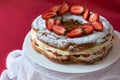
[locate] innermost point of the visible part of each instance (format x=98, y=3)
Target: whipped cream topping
x=61, y=41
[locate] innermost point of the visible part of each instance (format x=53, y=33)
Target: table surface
x=16, y=17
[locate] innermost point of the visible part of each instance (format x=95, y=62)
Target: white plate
x=71, y=68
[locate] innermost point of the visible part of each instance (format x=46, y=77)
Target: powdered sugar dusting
x=62, y=41
x=39, y=23
x=69, y=16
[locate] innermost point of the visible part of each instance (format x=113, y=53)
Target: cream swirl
x=62, y=41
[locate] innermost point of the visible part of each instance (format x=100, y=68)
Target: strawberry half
x=86, y=14
x=54, y=9
x=49, y=14
x=87, y=28
x=58, y=22
x=64, y=8
x=77, y=9
x=50, y=23
x=98, y=26
x=93, y=17
x=75, y=32
x=59, y=29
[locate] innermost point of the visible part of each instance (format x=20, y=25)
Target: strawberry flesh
x=77, y=9
x=75, y=55
x=35, y=43
x=98, y=26
x=58, y=22
x=54, y=9
x=59, y=29
x=49, y=14
x=87, y=28
x=85, y=55
x=55, y=53
x=86, y=14
x=64, y=8
x=94, y=17
x=50, y=23
x=75, y=32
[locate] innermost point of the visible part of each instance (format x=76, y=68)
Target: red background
x=16, y=17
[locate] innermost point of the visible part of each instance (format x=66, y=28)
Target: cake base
x=75, y=59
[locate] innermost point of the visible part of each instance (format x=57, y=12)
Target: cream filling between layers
x=90, y=51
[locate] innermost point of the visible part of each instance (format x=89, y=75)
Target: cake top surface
x=60, y=40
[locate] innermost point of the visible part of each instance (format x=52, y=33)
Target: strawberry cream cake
x=72, y=34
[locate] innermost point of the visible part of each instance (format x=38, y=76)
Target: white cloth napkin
x=20, y=67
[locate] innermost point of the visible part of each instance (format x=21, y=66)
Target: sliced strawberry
x=50, y=50
x=75, y=32
x=76, y=55
x=85, y=55
x=64, y=8
x=59, y=29
x=87, y=28
x=98, y=26
x=49, y=15
x=57, y=54
x=86, y=14
x=58, y=22
x=54, y=9
x=93, y=17
x=77, y=9
x=50, y=23
x=35, y=43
